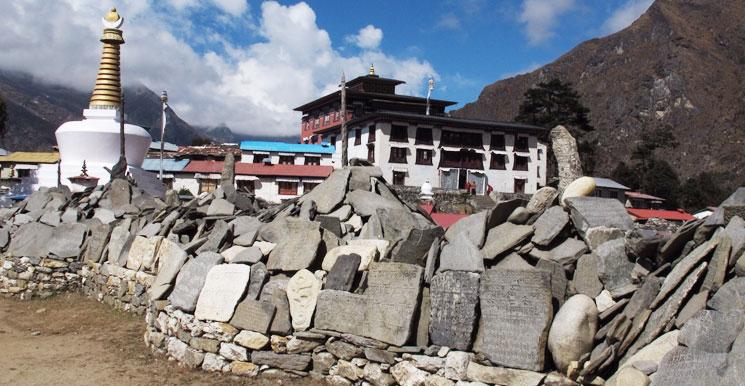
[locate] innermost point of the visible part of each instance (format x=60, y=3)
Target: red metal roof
x=260, y=169
x=671, y=215
x=442, y=219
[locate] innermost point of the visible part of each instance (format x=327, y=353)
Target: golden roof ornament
x=372, y=70
x=107, y=91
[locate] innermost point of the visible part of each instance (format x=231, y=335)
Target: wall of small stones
x=119, y=287
x=31, y=276
x=445, y=201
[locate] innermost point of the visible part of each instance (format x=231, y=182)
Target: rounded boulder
x=581, y=187
x=573, y=330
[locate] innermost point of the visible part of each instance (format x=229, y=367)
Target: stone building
x=412, y=147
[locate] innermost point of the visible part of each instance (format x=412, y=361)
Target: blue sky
x=248, y=63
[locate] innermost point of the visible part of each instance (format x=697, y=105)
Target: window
x=168, y=182
x=399, y=178
x=287, y=188
x=371, y=134
x=259, y=158
x=312, y=160
x=23, y=173
x=332, y=140
x=245, y=185
x=318, y=123
x=286, y=160
x=398, y=155
x=358, y=136
x=308, y=186
x=327, y=119
x=521, y=163
x=540, y=152
x=498, y=161
x=521, y=144
x=370, y=152
x=463, y=159
x=399, y=134
x=497, y=141
x=461, y=139
x=423, y=136
x=423, y=157
x=519, y=186
x=207, y=185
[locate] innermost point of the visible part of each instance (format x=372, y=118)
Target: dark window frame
x=423, y=136
x=399, y=133
x=371, y=134
x=260, y=158
x=358, y=137
x=316, y=160
x=399, y=178
x=498, y=142
x=371, y=152
x=398, y=155
x=519, y=143
x=493, y=165
x=284, y=190
x=284, y=158
x=421, y=160
x=517, y=165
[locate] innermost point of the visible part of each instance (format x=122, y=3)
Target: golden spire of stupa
x=108, y=90
x=372, y=70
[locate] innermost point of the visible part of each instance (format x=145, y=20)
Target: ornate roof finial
x=372, y=70
x=107, y=92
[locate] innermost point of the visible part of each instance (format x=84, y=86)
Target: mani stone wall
x=121, y=288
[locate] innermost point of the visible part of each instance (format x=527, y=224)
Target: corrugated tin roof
x=286, y=147
x=167, y=146
x=260, y=169
x=29, y=157
x=169, y=164
x=671, y=215
x=608, y=183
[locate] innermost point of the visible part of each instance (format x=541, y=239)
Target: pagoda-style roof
x=355, y=94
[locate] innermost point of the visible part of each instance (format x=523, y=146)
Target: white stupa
x=96, y=139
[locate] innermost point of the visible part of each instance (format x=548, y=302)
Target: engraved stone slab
x=586, y=276
x=253, y=315
x=454, y=296
x=414, y=248
x=461, y=255
x=302, y=293
x=392, y=301
x=141, y=251
x=711, y=331
x=296, y=252
x=683, y=366
x=340, y=311
x=589, y=212
x=730, y=297
x=224, y=286
x=614, y=267
x=472, y=227
x=191, y=279
x=170, y=260
x=549, y=225
x=341, y=275
x=516, y=313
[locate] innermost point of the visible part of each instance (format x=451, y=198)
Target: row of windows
x=287, y=188
x=454, y=159
x=456, y=139
x=286, y=159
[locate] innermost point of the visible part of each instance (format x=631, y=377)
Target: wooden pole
x=344, y=154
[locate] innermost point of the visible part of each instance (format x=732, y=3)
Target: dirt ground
x=71, y=340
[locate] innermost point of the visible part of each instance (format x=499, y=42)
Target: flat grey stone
x=224, y=285
x=614, y=267
x=51, y=218
x=119, y=193
x=711, y=331
x=503, y=238
x=250, y=255
x=731, y=297
x=106, y=216
x=30, y=240
x=119, y=244
x=549, y=225
x=37, y=200
x=454, y=296
x=329, y=194
x=97, y=240
x=542, y=199
x=330, y=223
x=67, y=240
x=343, y=213
x=296, y=362
x=281, y=323
x=586, y=276
x=643, y=297
x=502, y=211
x=681, y=269
x=220, y=207
x=190, y=280
x=589, y=212
x=245, y=224
x=432, y=260
x=299, y=251
x=461, y=255
x=683, y=366
x=216, y=237
x=672, y=248
x=340, y=311
x=342, y=273
x=170, y=260
x=392, y=300
x=150, y=230
x=414, y=248
x=253, y=315
x=718, y=264
x=516, y=313
x=256, y=281
x=361, y=175
x=568, y=252
x=594, y=237
x=365, y=203
x=472, y=227
x=736, y=231
x=558, y=279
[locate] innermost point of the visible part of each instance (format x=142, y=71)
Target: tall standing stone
x=516, y=313
x=224, y=286
x=392, y=299
x=228, y=170
x=302, y=293
x=567, y=156
x=191, y=279
x=454, y=296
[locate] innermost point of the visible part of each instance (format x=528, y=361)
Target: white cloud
x=540, y=17
x=449, y=21
x=367, y=38
x=625, y=15
x=250, y=87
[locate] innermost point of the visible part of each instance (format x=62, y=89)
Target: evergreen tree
x=554, y=103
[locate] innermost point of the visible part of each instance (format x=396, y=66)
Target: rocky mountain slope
x=680, y=64
x=36, y=109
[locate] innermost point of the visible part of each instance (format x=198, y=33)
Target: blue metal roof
x=167, y=146
x=284, y=147
x=169, y=164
